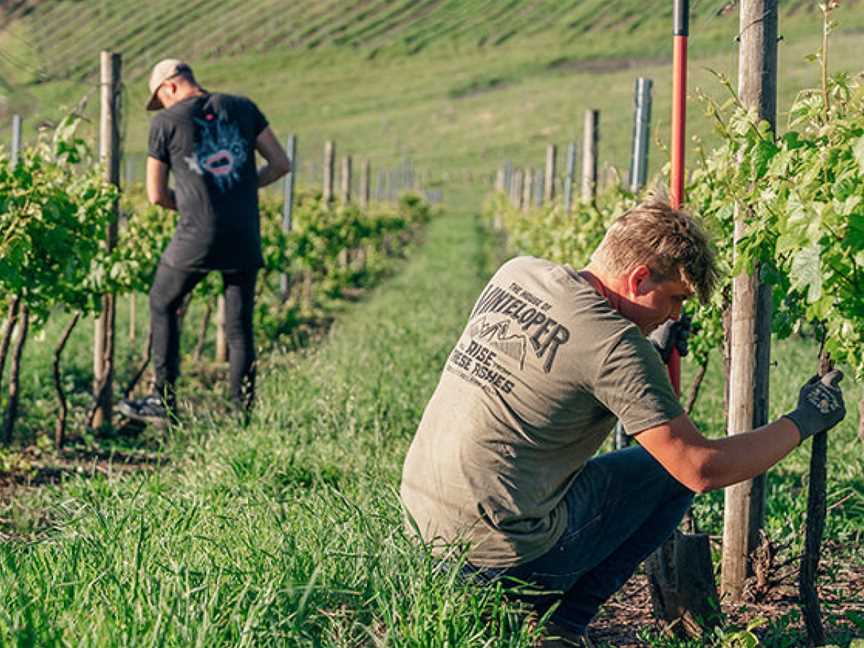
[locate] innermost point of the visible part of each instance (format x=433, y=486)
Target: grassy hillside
x=456, y=85
x=203, y=29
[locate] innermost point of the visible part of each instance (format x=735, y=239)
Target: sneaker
x=149, y=409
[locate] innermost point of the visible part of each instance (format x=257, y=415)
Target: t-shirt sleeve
x=633, y=384
x=158, y=141
x=259, y=121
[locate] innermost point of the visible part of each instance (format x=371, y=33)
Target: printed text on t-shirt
x=544, y=333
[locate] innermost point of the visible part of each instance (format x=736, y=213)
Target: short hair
x=669, y=241
x=185, y=72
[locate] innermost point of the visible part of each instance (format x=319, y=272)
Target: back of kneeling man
x=550, y=358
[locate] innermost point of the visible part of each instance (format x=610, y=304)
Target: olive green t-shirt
x=532, y=388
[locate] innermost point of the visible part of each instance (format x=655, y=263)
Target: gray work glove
x=820, y=405
x=672, y=334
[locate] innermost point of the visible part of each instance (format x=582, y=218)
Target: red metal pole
x=679, y=128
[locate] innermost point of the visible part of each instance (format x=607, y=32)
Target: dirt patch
x=36, y=468
x=477, y=86
x=841, y=592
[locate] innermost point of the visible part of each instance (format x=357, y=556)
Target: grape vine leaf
x=806, y=272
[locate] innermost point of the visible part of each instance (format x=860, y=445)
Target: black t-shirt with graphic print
x=208, y=143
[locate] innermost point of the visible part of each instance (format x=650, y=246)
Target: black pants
x=170, y=287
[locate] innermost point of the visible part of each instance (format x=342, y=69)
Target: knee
x=159, y=304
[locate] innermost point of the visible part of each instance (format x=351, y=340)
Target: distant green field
x=65, y=36
x=457, y=86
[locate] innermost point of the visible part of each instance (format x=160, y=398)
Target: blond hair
x=669, y=241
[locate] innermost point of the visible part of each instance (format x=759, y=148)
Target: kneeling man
x=551, y=357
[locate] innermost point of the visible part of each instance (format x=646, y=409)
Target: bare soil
x=841, y=590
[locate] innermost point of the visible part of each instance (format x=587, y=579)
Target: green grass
x=286, y=532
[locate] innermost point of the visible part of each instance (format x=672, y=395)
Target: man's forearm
x=739, y=457
x=269, y=173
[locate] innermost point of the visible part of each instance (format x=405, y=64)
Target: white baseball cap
x=162, y=71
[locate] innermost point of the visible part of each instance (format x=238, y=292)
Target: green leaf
x=806, y=272
x=855, y=232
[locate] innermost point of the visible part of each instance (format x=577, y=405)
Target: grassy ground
x=287, y=532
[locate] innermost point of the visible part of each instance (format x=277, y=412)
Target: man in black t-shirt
x=208, y=141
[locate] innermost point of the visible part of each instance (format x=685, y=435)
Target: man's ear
x=636, y=280
x=171, y=87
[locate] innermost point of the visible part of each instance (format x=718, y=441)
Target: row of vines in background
x=54, y=210
x=803, y=198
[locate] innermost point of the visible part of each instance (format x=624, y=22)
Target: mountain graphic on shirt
x=498, y=337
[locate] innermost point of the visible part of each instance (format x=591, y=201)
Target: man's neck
x=189, y=92
x=604, y=286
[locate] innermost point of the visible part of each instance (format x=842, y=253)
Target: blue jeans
x=620, y=508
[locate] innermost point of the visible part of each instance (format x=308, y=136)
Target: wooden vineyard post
x=516, y=193
x=133, y=317
x=568, y=179
x=527, y=189
x=590, y=139
x=365, y=184
x=499, y=181
x=508, y=177
x=16, y=140
x=750, y=333
x=549, y=178
x=109, y=154
x=641, y=135
x=345, y=197
x=329, y=170
x=537, y=189
x=345, y=190
x=288, y=209
x=221, y=337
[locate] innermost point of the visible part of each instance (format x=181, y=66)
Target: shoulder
x=162, y=124
x=525, y=264
x=160, y=120
x=629, y=339
x=232, y=101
